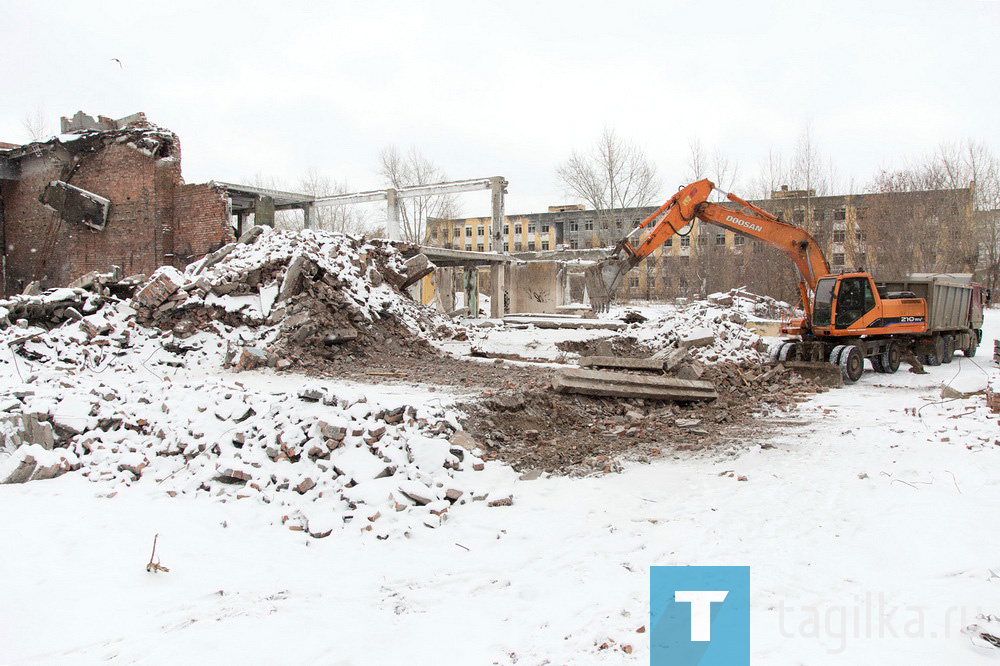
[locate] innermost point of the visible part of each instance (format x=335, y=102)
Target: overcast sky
x=510, y=88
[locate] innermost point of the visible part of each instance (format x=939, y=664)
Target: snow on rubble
x=136, y=393
x=715, y=330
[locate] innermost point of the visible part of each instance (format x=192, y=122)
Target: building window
x=532, y=227
x=506, y=229
x=468, y=247
x=480, y=231
x=458, y=232
x=840, y=214
x=839, y=235
x=739, y=241
x=545, y=227
x=479, y=247
x=702, y=239
x=686, y=241
x=574, y=244
x=518, y=247
x=720, y=240
x=517, y=228
x=588, y=225
x=545, y=245
x=669, y=242
x=838, y=259
x=531, y=246
x=574, y=226
x=468, y=232
x=506, y=247
x=633, y=281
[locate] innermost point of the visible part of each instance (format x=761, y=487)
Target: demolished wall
x=153, y=218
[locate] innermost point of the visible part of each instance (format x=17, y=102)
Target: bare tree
x=413, y=168
x=36, y=126
x=345, y=219
x=697, y=161
x=614, y=176
x=772, y=173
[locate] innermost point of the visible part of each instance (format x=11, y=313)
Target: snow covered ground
x=868, y=519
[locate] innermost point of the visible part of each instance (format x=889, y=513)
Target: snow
x=877, y=500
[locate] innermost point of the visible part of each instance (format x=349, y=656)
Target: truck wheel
x=775, y=349
x=970, y=351
x=891, y=358
x=852, y=363
x=938, y=353
x=948, y=342
x=835, y=354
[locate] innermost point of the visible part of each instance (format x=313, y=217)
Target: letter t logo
x=701, y=610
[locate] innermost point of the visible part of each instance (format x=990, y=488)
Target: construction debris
x=564, y=322
x=624, y=385
x=622, y=362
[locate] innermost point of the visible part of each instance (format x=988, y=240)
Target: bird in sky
x=119, y=62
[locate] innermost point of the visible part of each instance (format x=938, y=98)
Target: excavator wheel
x=877, y=363
x=788, y=352
x=835, y=354
x=890, y=358
x=775, y=351
x=852, y=363
x=949, y=348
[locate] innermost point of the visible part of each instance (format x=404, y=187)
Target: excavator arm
x=692, y=202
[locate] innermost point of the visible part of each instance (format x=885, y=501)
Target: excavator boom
x=674, y=216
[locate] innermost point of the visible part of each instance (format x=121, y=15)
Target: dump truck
x=848, y=316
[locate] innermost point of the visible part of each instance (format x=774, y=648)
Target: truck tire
x=852, y=363
x=949, y=348
x=970, y=351
x=935, y=357
x=891, y=358
x=775, y=350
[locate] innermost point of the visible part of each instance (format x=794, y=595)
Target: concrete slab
x=564, y=322
x=621, y=362
x=623, y=385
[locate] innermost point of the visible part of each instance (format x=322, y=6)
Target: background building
x=889, y=233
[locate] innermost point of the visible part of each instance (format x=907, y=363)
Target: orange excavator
x=848, y=317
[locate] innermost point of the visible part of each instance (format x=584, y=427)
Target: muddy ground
x=518, y=418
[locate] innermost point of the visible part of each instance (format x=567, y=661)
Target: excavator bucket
x=602, y=281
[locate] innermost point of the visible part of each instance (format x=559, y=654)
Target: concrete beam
x=624, y=385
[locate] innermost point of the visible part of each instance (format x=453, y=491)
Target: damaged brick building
x=103, y=193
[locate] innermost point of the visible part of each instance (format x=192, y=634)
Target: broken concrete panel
x=33, y=288
x=340, y=335
x=534, y=286
x=19, y=468
x=671, y=357
x=621, y=362
x=699, y=337
x=215, y=257
x=623, y=385
x=416, y=268
x=566, y=323
x=251, y=234
x=20, y=429
x=692, y=370
x=160, y=287
x=293, y=276
x=76, y=205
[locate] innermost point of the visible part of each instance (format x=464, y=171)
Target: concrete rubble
x=620, y=384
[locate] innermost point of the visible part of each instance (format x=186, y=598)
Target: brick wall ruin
x=153, y=217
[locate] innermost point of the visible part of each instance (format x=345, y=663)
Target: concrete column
x=307, y=222
x=392, y=216
x=263, y=211
x=497, y=189
x=472, y=290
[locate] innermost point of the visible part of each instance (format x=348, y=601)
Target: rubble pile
x=581, y=435
x=323, y=463
x=49, y=309
x=309, y=292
